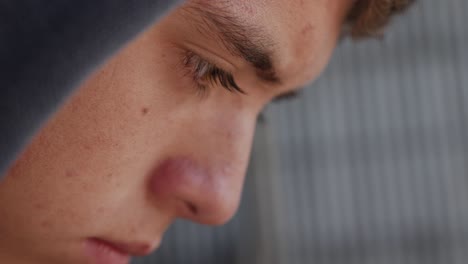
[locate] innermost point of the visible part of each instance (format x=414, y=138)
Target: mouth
x=108, y=252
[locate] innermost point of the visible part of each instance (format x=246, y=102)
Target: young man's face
x=155, y=134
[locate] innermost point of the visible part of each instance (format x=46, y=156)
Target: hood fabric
x=47, y=48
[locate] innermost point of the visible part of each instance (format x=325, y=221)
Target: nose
x=194, y=190
x=201, y=173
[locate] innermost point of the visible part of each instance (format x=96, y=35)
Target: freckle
x=110, y=175
x=85, y=186
x=39, y=206
x=100, y=209
x=46, y=224
x=144, y=110
x=306, y=29
x=87, y=147
x=70, y=173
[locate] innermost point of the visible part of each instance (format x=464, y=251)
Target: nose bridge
x=202, y=180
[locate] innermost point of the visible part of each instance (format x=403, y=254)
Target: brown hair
x=369, y=17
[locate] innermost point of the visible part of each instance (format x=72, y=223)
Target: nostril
x=192, y=208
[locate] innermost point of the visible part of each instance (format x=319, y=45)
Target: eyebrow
x=245, y=41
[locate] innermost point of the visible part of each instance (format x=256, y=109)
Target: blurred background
x=369, y=165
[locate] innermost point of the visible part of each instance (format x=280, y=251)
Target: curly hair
x=369, y=17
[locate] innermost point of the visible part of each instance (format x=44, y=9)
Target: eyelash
x=205, y=73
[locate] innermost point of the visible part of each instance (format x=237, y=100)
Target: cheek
x=88, y=158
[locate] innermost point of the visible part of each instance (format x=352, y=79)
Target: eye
x=206, y=74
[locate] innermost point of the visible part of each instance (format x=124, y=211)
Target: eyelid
x=210, y=56
x=205, y=70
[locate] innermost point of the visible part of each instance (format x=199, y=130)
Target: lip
x=102, y=251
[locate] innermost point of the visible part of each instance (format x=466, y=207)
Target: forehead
x=303, y=33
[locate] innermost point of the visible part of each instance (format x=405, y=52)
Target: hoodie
x=47, y=48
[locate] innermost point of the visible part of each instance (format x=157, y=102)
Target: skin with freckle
x=136, y=146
